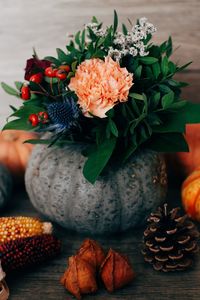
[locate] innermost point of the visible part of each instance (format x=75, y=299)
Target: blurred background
x=45, y=25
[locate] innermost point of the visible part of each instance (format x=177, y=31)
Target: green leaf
x=108, y=38
x=163, y=47
x=138, y=72
x=26, y=110
x=154, y=119
x=130, y=150
x=113, y=128
x=167, y=100
x=94, y=20
x=74, y=65
x=70, y=74
x=115, y=25
x=61, y=55
x=164, y=66
x=9, y=90
x=169, y=47
x=164, y=88
x=98, y=159
x=124, y=29
x=148, y=60
x=100, y=42
x=77, y=38
x=136, y=96
x=172, y=67
x=54, y=60
x=18, y=85
x=178, y=105
x=14, y=109
x=83, y=40
x=189, y=113
x=179, y=69
x=92, y=35
x=149, y=73
x=168, y=142
x=110, y=113
x=155, y=100
x=156, y=70
x=135, y=107
x=19, y=124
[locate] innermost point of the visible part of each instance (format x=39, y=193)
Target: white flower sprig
x=100, y=32
x=132, y=43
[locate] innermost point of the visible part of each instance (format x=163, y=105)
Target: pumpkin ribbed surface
x=117, y=201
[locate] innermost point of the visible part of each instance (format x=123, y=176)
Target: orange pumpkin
x=13, y=153
x=189, y=161
x=181, y=164
x=190, y=193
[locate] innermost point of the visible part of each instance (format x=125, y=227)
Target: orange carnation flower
x=100, y=85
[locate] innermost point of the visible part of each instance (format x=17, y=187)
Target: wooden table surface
x=45, y=24
x=42, y=282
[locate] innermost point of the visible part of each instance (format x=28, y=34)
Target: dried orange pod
x=116, y=271
x=80, y=277
x=92, y=252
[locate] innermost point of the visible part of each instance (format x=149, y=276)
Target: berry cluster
x=60, y=73
x=42, y=117
x=51, y=72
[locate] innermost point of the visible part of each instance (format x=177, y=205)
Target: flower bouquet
x=113, y=90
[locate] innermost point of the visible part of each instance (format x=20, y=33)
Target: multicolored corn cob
x=25, y=252
x=12, y=228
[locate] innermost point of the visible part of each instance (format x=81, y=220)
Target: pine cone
x=170, y=240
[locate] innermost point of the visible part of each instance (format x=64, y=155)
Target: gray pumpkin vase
x=5, y=186
x=118, y=201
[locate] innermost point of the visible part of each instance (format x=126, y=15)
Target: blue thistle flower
x=63, y=115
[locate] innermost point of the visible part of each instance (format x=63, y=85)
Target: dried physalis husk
x=116, y=271
x=92, y=252
x=4, y=291
x=80, y=277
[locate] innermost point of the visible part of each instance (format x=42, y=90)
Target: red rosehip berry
x=43, y=116
x=37, y=78
x=61, y=75
x=25, y=92
x=65, y=68
x=50, y=72
x=33, y=118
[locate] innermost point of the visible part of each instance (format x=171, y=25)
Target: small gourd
x=14, y=154
x=191, y=195
x=5, y=185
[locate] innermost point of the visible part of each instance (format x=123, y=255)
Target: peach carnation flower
x=100, y=85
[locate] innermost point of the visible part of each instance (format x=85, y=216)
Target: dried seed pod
x=116, y=271
x=29, y=251
x=4, y=291
x=92, y=252
x=80, y=277
x=12, y=228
